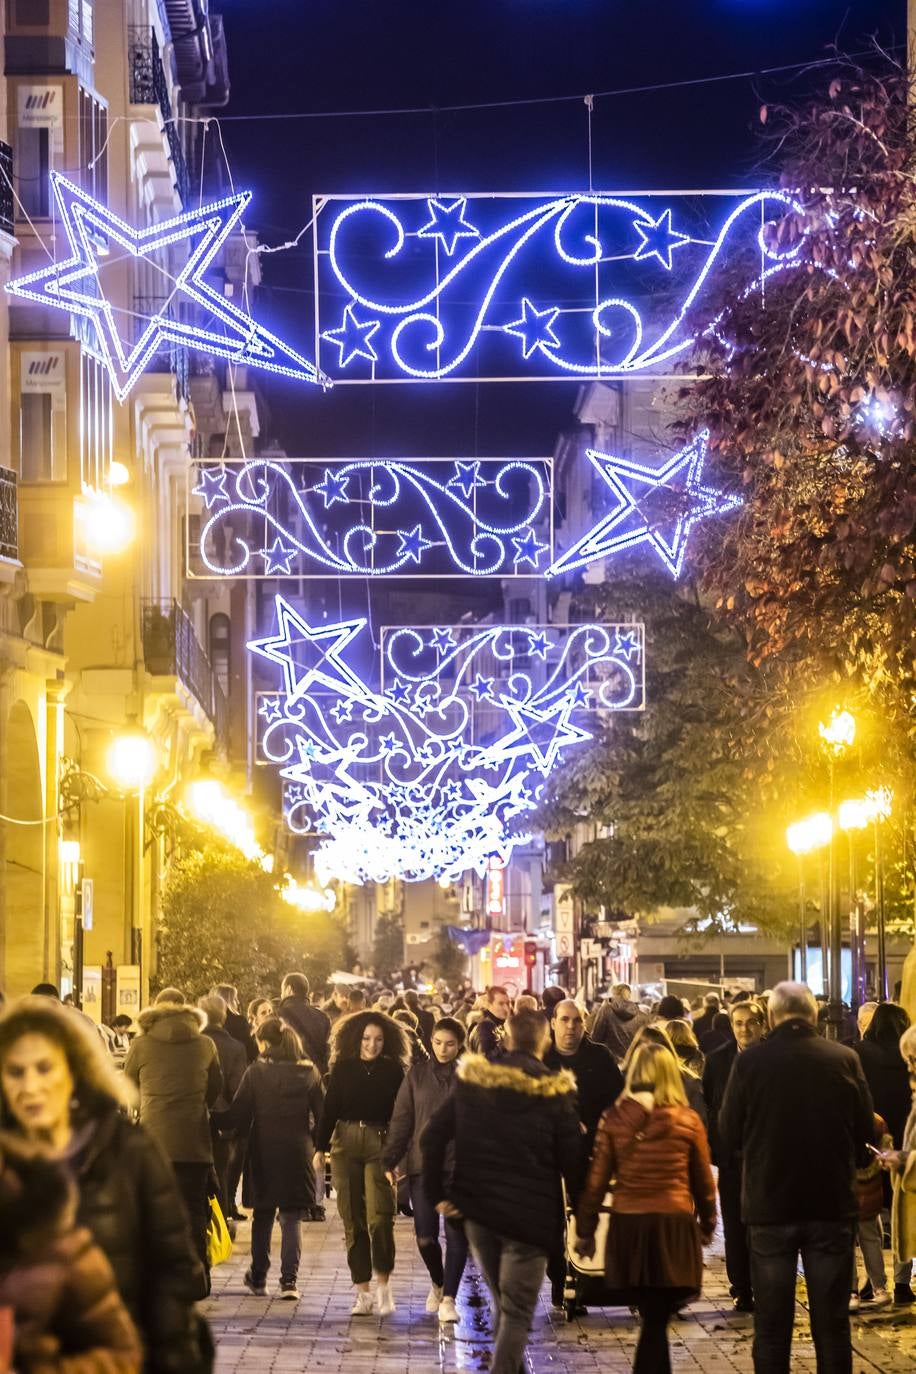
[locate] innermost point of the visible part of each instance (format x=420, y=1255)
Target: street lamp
x=132, y=762
x=814, y=832
x=837, y=735
x=856, y=814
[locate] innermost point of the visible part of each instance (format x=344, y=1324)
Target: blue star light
x=270, y=709
x=399, y=693
x=353, y=338
x=333, y=488
x=581, y=696
x=535, y=328
x=388, y=743
x=74, y=285
x=633, y=486
x=309, y=654
x=447, y=222
x=539, y=643
x=342, y=711
x=466, y=478
x=212, y=486
x=413, y=544
x=528, y=549
x=442, y=640
x=482, y=687
x=626, y=644
x=278, y=557
x=658, y=239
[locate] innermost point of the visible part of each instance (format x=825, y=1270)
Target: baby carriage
x=585, y=1283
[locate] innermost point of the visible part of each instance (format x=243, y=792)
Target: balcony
x=9, y=516
x=171, y=357
x=171, y=649
x=149, y=86
x=7, y=209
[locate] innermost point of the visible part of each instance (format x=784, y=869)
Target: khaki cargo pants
x=365, y=1199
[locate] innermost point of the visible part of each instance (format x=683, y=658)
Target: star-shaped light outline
x=211, y=485
x=270, y=709
x=413, y=544
x=649, y=233
x=333, y=488
x=278, y=649
x=85, y=219
x=442, y=639
x=350, y=325
x=519, y=741
x=626, y=644
x=482, y=687
x=528, y=549
x=523, y=326
x=467, y=478
x=399, y=692
x=539, y=643
x=601, y=541
x=278, y=557
x=458, y=229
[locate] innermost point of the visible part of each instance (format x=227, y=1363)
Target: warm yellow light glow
x=840, y=731
x=812, y=833
x=210, y=803
x=118, y=474
x=108, y=523
x=307, y=897
x=878, y=800
x=70, y=852
x=863, y=811
x=132, y=761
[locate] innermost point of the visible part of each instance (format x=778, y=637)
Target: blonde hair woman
x=653, y=1147
x=692, y=1083
x=902, y=1166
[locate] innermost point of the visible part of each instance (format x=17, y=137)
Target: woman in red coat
x=651, y=1149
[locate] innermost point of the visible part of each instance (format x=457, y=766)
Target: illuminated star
x=683, y=501
x=528, y=549
x=342, y=711
x=388, y=743
x=333, y=488
x=270, y=709
x=539, y=643
x=400, y=693
x=442, y=640
x=278, y=557
x=413, y=544
x=535, y=328
x=448, y=223
x=74, y=285
x=626, y=644
x=482, y=687
x=466, y=478
x=581, y=695
x=540, y=732
x=353, y=338
x=212, y=486
x=658, y=239
x=309, y=654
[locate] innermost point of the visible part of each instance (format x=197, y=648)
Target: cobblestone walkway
x=267, y=1336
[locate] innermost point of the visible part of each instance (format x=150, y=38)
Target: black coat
x=232, y=1061
x=130, y=1202
x=799, y=1109
x=599, y=1082
x=516, y=1131
x=277, y=1106
x=716, y=1074
x=311, y=1025
x=237, y=1026
x=888, y=1080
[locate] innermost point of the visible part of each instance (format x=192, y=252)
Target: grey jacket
x=615, y=1023
x=425, y=1088
x=177, y=1071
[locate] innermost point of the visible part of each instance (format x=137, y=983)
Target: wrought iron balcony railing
x=172, y=649
x=9, y=515
x=148, y=86
x=7, y=209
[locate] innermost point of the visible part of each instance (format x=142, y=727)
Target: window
x=95, y=423
x=220, y=649
x=39, y=144
x=42, y=417
x=93, y=156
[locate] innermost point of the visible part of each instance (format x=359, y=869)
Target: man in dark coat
x=310, y=1023
x=425, y=1019
x=485, y=1037
x=516, y=1133
x=617, y=1020
x=232, y=1062
x=703, y=1022
x=236, y=1024
x=176, y=1069
x=798, y=1108
x=748, y=1023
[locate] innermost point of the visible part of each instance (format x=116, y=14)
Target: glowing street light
x=210, y=803
x=108, y=523
x=307, y=896
x=814, y=832
x=132, y=761
x=839, y=733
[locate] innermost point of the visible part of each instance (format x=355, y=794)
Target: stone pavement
x=267, y=1336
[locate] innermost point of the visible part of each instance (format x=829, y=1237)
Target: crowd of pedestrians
x=544, y=1139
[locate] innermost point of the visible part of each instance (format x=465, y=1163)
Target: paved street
x=265, y=1334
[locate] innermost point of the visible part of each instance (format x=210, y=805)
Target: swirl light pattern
x=429, y=773
x=489, y=517
x=487, y=288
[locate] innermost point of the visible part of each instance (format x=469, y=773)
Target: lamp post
x=814, y=832
x=132, y=763
x=837, y=735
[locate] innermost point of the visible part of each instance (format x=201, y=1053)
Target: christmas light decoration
x=426, y=773
x=311, y=518
x=496, y=287
x=656, y=506
x=74, y=285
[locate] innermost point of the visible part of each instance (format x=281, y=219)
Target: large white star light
x=310, y=654
x=630, y=522
x=74, y=285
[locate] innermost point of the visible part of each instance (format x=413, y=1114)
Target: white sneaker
x=289, y=1292
x=854, y=1302
x=363, y=1306
x=448, y=1312
x=881, y=1298
x=433, y=1298
x=385, y=1299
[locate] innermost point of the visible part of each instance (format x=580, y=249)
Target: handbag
x=219, y=1241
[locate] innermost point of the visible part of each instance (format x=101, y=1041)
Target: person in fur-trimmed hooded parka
x=176, y=1069
x=516, y=1132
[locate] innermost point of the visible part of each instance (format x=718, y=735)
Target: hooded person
x=516, y=1134
x=617, y=1020
x=176, y=1070
x=311, y=1024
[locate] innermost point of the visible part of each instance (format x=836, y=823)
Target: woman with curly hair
x=59, y=1091
x=370, y=1054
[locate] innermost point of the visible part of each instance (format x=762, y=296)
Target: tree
x=449, y=960
x=388, y=946
x=223, y=921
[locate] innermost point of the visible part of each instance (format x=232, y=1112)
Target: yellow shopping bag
x=219, y=1242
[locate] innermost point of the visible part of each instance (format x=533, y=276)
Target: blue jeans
x=826, y=1248
x=426, y=1225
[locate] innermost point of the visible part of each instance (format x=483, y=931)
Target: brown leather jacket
x=654, y=1160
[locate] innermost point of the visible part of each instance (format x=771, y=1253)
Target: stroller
x=585, y=1283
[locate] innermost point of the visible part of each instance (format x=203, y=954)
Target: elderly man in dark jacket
x=176, y=1069
x=617, y=1020
x=311, y=1024
x=516, y=1133
x=798, y=1108
x=233, y=1062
